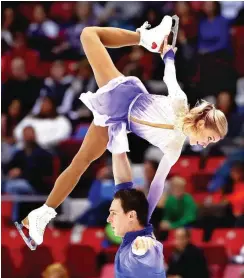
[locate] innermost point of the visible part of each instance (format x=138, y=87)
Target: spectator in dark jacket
x=20, y=86
x=27, y=169
x=187, y=260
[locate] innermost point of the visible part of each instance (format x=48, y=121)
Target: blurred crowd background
x=200, y=217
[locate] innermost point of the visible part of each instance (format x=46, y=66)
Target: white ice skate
x=152, y=39
x=38, y=220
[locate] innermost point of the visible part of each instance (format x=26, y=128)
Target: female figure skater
x=122, y=104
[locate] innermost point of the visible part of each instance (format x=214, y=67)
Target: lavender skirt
x=111, y=106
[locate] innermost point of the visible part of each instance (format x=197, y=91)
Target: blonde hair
x=214, y=119
x=56, y=267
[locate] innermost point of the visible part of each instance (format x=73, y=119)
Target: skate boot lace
x=43, y=220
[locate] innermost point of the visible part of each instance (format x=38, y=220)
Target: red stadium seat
x=71, y=66
x=68, y=149
x=167, y=251
x=43, y=69
x=56, y=170
x=217, y=259
x=199, y=198
x=186, y=166
x=233, y=239
x=237, y=33
x=34, y=263
x=8, y=267
x=81, y=261
x=107, y=271
x=93, y=237
x=196, y=236
x=213, y=163
x=62, y=10
x=200, y=181
x=233, y=271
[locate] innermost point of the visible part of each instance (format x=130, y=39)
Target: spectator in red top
x=188, y=22
x=137, y=56
x=20, y=49
x=70, y=48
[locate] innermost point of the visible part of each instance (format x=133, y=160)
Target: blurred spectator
x=20, y=86
x=84, y=81
x=226, y=103
x=222, y=174
x=100, y=196
x=214, y=52
x=50, y=127
x=180, y=209
x=188, y=22
x=11, y=22
x=61, y=11
x=70, y=47
x=213, y=29
x=239, y=259
x=186, y=44
x=21, y=50
x=230, y=9
x=7, y=23
x=42, y=32
x=9, y=122
x=187, y=260
x=121, y=14
x=55, y=270
x=55, y=86
x=236, y=176
x=140, y=58
x=27, y=169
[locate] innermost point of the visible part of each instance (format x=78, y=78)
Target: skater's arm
x=157, y=185
x=121, y=169
x=170, y=79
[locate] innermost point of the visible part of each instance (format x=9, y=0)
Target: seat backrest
x=233, y=239
x=81, y=261
x=34, y=263
x=8, y=267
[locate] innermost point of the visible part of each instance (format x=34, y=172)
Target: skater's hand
x=142, y=244
x=25, y=222
x=165, y=225
x=165, y=47
x=14, y=173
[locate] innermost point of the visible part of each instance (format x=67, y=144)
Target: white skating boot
x=152, y=39
x=38, y=220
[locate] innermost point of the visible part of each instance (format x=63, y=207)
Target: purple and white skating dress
x=124, y=97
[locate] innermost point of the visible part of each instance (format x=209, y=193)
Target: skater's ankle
x=47, y=205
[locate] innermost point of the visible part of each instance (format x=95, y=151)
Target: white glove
x=142, y=244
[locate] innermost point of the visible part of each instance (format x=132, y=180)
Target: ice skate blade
x=28, y=240
x=174, y=29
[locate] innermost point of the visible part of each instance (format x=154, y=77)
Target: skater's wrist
x=169, y=55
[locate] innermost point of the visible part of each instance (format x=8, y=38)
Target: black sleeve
x=173, y=268
x=197, y=267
